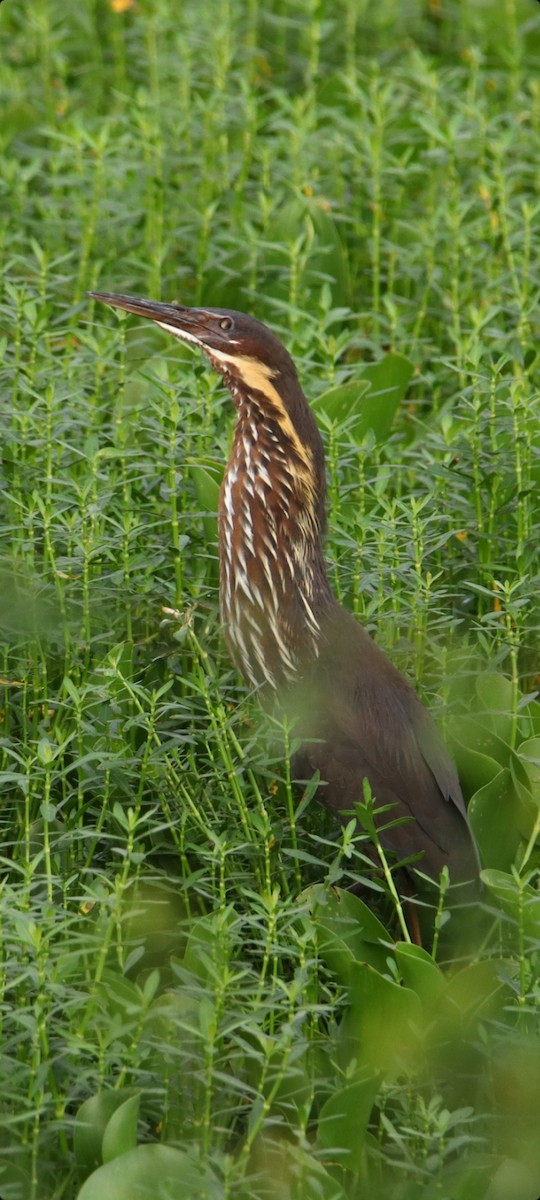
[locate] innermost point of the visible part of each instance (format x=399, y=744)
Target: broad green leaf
x=348, y=932
x=420, y=973
x=478, y=989
x=121, y=1130
x=381, y=1027
x=475, y=770
x=343, y=403
x=492, y=814
x=151, y=1173
x=91, y=1122
x=496, y=696
x=529, y=754
x=207, y=482
x=352, y=916
x=343, y=1121
x=371, y=400
x=389, y=379
x=476, y=738
x=480, y=739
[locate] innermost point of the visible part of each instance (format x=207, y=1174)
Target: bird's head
x=240, y=347
x=260, y=375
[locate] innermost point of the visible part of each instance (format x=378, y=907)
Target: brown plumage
x=358, y=717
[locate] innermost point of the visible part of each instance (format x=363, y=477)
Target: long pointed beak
x=188, y=324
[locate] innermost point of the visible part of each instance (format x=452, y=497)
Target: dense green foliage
x=190, y=1006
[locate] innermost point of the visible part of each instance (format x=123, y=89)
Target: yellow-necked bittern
x=285, y=630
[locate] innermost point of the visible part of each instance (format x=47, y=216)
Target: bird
x=359, y=719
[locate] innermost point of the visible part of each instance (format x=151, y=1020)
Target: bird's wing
x=437, y=757
x=361, y=720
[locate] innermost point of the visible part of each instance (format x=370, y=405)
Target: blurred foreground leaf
x=151, y=1173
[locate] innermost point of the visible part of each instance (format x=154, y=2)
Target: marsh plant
x=193, y=1004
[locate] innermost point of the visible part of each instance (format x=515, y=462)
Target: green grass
x=173, y=954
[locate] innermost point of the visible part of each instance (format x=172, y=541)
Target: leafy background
x=192, y=1006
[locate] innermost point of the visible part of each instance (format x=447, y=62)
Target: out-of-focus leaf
x=343, y=1121
x=492, y=814
x=18, y=117
x=207, y=481
x=120, y=1134
x=478, y=989
x=496, y=697
x=348, y=932
x=419, y=972
x=151, y=1173
x=519, y=900
x=28, y=606
x=289, y=1171
x=501, y=813
x=529, y=754
x=382, y=1026
x=92, y=1120
x=512, y=1179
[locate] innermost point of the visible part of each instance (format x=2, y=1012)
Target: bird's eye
x=226, y=323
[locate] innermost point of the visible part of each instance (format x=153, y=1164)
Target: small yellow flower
x=120, y=6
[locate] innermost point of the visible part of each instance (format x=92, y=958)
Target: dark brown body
x=372, y=725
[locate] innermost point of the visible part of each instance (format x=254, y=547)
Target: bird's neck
x=274, y=589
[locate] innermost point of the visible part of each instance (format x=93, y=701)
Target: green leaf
x=480, y=754
x=529, y=755
x=207, y=482
x=420, y=973
x=371, y=400
x=207, y=942
x=344, y=1119
x=343, y=403
x=501, y=813
x=496, y=697
x=518, y=899
x=348, y=932
x=479, y=739
x=389, y=379
x=92, y=1120
x=492, y=815
x=479, y=989
x=150, y=1173
x=381, y=1028
x=121, y=1131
